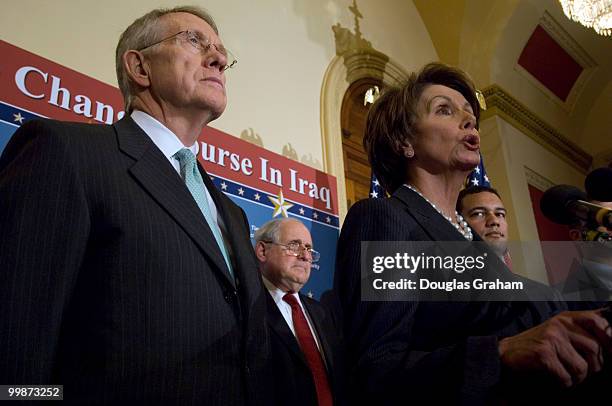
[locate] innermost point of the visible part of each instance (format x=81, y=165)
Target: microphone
x=563, y=204
x=598, y=185
x=594, y=235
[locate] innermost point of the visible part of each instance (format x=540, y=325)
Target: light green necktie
x=195, y=184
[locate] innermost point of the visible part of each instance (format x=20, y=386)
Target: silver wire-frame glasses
x=201, y=44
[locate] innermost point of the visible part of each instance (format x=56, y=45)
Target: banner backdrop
x=266, y=185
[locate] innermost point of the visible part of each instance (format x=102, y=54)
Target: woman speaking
x=422, y=141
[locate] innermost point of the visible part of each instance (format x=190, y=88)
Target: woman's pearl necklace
x=461, y=225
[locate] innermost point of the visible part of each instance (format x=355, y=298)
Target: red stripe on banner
x=42, y=86
x=235, y=159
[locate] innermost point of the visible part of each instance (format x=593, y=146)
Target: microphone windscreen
x=554, y=203
x=598, y=185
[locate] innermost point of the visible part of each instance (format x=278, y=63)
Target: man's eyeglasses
x=296, y=249
x=200, y=44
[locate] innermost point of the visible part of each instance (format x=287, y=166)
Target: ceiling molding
x=576, y=51
x=603, y=159
x=537, y=180
x=501, y=103
x=565, y=40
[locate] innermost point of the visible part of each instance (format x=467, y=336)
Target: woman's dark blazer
x=404, y=351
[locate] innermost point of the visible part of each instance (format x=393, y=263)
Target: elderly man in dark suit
x=125, y=275
x=305, y=335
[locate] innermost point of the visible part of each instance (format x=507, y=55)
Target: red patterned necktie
x=310, y=351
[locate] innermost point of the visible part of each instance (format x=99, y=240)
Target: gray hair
x=271, y=230
x=143, y=32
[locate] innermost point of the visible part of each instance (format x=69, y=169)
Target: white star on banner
x=241, y=191
x=328, y=219
x=376, y=182
x=475, y=182
x=280, y=205
x=315, y=215
x=309, y=294
x=477, y=170
x=257, y=196
x=223, y=185
x=374, y=194
x=18, y=117
x=302, y=211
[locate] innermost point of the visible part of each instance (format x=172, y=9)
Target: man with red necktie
x=304, y=334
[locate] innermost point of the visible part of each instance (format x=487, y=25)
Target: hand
x=569, y=346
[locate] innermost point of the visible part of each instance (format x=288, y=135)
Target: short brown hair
x=392, y=118
x=143, y=32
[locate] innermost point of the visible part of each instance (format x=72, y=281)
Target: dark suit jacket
x=111, y=281
x=405, y=352
x=293, y=379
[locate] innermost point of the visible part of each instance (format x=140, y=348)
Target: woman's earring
x=408, y=151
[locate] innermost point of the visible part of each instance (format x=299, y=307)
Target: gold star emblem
x=280, y=205
x=18, y=118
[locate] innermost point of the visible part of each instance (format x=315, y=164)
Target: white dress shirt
x=285, y=309
x=169, y=144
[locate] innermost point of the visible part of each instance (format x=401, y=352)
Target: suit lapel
x=155, y=174
x=230, y=221
x=318, y=316
x=279, y=327
x=433, y=224
x=242, y=254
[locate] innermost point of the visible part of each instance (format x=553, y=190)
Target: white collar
x=277, y=293
x=162, y=137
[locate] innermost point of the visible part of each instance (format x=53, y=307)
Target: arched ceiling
x=487, y=39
